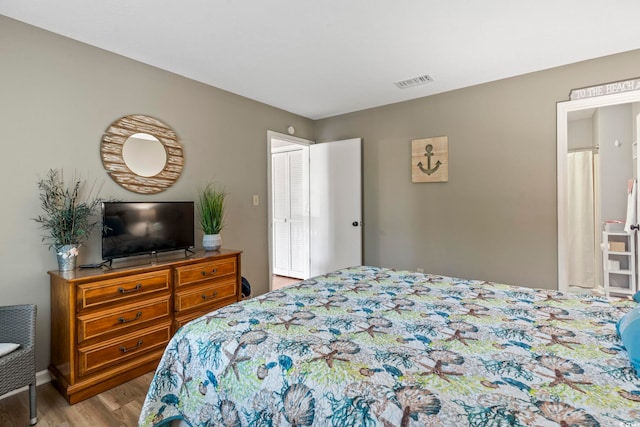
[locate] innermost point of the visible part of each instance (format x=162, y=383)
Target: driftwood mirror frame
x=114, y=139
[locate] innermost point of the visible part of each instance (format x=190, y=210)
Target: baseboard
x=42, y=377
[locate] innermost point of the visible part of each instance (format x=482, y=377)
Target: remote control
x=90, y=265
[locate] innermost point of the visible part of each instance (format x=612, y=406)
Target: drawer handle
x=128, y=291
x=125, y=350
x=123, y=320
x=204, y=272
x=213, y=295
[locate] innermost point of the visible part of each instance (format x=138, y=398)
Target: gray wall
x=57, y=97
x=496, y=217
x=580, y=134
x=612, y=124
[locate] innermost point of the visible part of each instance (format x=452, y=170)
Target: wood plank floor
x=118, y=407
x=278, y=282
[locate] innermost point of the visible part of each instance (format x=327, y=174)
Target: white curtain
x=583, y=241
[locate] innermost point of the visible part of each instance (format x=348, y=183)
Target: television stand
x=109, y=326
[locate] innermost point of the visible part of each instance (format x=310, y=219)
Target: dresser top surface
x=132, y=266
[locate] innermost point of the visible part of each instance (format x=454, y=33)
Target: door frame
x=563, y=109
x=271, y=135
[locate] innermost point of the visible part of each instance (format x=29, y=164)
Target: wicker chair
x=18, y=368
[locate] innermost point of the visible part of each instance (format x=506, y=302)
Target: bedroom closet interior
x=290, y=205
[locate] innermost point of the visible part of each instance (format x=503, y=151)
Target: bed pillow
x=7, y=347
x=636, y=296
x=629, y=331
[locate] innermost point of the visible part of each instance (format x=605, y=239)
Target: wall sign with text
x=605, y=89
x=430, y=159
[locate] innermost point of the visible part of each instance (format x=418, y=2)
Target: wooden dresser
x=111, y=325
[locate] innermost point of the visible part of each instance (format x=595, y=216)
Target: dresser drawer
x=205, y=271
x=122, y=318
x=103, y=355
x=183, y=318
x=122, y=289
x=205, y=295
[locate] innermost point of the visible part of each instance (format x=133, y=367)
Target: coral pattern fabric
x=370, y=346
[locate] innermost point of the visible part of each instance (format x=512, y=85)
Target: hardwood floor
x=118, y=407
x=278, y=282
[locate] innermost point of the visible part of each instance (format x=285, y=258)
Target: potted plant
x=68, y=215
x=211, y=209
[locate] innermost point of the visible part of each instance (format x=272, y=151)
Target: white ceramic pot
x=211, y=242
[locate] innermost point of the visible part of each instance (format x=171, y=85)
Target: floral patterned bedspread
x=369, y=346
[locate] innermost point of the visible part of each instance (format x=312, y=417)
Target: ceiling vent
x=414, y=81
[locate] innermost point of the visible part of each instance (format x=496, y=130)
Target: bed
x=369, y=346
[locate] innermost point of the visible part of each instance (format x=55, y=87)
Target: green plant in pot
x=69, y=215
x=211, y=209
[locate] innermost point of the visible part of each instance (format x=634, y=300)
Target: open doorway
x=314, y=207
x=597, y=161
x=288, y=207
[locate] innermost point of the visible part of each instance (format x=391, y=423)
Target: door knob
x=355, y=223
x=635, y=227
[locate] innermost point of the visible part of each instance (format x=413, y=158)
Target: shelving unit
x=619, y=262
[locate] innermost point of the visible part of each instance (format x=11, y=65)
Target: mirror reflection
x=144, y=154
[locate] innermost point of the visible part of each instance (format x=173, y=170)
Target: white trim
x=288, y=138
x=563, y=110
x=42, y=377
x=286, y=149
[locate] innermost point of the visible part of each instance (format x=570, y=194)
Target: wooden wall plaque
x=430, y=159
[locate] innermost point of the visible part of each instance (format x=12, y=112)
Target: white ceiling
x=326, y=57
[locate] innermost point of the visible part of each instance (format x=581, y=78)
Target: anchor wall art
x=430, y=159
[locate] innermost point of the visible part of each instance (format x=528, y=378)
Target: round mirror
x=142, y=154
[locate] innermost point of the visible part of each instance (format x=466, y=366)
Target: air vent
x=414, y=81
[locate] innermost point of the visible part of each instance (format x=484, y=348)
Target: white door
x=290, y=217
x=281, y=240
x=335, y=175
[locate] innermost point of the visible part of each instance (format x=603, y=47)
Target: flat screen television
x=138, y=228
